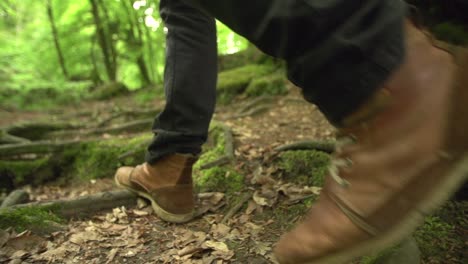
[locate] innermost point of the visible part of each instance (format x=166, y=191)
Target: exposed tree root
x=135, y=126
x=86, y=205
x=14, y=198
x=129, y=113
x=38, y=130
x=38, y=147
x=325, y=146
x=6, y=138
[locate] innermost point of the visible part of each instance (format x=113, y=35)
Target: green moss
x=219, y=178
x=273, y=84
x=100, y=159
x=305, y=167
x=27, y=219
x=235, y=81
x=450, y=32
x=22, y=171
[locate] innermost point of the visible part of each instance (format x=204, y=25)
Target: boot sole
x=455, y=178
x=158, y=210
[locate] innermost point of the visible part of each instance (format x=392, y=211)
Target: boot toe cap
x=122, y=175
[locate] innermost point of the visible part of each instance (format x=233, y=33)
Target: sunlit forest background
x=72, y=46
x=80, y=85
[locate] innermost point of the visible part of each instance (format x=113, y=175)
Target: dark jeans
x=337, y=51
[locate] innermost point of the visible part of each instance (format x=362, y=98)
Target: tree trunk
x=136, y=38
x=104, y=42
x=61, y=59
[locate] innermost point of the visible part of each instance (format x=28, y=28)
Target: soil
x=136, y=235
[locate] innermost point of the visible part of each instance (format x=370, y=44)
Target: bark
x=104, y=42
x=58, y=48
x=135, y=38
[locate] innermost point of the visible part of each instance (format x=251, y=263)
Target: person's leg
x=190, y=87
x=189, y=81
x=361, y=41
x=400, y=103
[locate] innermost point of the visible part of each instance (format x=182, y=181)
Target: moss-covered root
x=101, y=159
x=235, y=81
x=219, y=178
x=37, y=220
x=272, y=84
x=304, y=167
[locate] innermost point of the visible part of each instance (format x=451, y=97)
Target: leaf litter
x=136, y=235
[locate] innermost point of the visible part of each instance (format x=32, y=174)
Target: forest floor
x=136, y=235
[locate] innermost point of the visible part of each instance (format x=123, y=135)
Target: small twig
x=228, y=149
x=246, y=197
x=325, y=146
x=228, y=141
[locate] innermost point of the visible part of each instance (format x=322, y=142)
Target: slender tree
x=105, y=42
x=135, y=38
x=55, y=36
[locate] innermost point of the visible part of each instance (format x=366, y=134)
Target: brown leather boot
x=406, y=153
x=167, y=184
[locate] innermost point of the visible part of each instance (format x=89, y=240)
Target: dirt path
x=135, y=235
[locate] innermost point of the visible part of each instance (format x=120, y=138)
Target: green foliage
x=29, y=59
x=228, y=41
x=234, y=82
x=27, y=219
x=305, y=167
x=273, y=84
x=452, y=33
x=437, y=239
x=45, y=96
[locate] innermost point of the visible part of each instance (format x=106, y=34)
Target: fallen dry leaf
x=111, y=255
x=217, y=246
x=83, y=237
